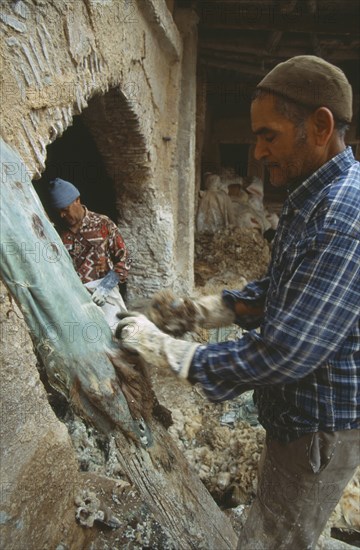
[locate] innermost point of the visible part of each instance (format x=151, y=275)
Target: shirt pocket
x=286, y=265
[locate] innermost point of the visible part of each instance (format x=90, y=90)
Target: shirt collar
x=85, y=219
x=319, y=179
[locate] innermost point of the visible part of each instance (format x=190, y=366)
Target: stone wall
x=39, y=473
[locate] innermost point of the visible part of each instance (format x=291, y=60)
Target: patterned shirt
x=97, y=243
x=304, y=361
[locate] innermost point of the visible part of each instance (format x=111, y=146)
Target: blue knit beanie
x=62, y=193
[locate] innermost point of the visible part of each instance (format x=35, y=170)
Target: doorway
x=75, y=157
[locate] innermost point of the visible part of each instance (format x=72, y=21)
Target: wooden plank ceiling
x=241, y=40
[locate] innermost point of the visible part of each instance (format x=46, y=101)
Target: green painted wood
x=67, y=328
x=73, y=340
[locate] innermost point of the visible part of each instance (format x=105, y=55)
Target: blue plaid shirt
x=304, y=363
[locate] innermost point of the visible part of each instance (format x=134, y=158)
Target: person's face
x=284, y=149
x=72, y=214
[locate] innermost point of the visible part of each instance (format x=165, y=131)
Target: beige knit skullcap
x=313, y=82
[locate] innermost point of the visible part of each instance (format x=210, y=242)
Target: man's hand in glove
x=137, y=334
x=98, y=297
x=109, y=282
x=176, y=315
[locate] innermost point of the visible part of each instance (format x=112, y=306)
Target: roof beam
x=312, y=6
x=241, y=58
x=257, y=16
x=288, y=7
x=306, y=25
x=333, y=51
x=273, y=41
x=316, y=46
x=233, y=66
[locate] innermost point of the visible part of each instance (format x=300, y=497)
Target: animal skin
x=135, y=384
x=171, y=314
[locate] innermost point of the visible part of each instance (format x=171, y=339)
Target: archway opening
x=106, y=155
x=75, y=157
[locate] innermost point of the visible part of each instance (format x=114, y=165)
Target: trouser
x=114, y=303
x=300, y=484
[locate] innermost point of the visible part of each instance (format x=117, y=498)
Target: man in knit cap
x=301, y=354
x=95, y=245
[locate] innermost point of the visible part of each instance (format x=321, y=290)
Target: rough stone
x=38, y=466
x=12, y=22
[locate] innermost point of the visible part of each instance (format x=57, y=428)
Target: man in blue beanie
x=62, y=193
x=95, y=245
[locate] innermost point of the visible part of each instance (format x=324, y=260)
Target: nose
x=261, y=151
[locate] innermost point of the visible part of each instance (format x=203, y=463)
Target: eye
x=270, y=138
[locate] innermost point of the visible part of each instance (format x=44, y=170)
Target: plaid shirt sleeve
x=254, y=294
x=311, y=310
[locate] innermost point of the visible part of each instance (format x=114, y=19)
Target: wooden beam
x=343, y=28
x=273, y=41
x=249, y=38
x=238, y=57
x=233, y=66
x=332, y=54
x=252, y=44
x=227, y=3
x=231, y=46
x=265, y=17
x=233, y=56
x=312, y=6
x=288, y=7
x=239, y=65
x=316, y=46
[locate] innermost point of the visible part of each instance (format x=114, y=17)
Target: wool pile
x=230, y=256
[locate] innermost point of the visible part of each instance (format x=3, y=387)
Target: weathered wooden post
x=74, y=341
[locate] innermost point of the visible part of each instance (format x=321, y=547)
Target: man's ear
x=323, y=125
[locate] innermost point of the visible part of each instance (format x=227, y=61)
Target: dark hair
x=341, y=127
x=296, y=112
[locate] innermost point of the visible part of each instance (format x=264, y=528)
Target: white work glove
x=98, y=297
x=176, y=315
x=105, y=286
x=137, y=334
x=213, y=312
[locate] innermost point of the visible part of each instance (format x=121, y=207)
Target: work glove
x=110, y=280
x=98, y=298
x=176, y=315
x=137, y=334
